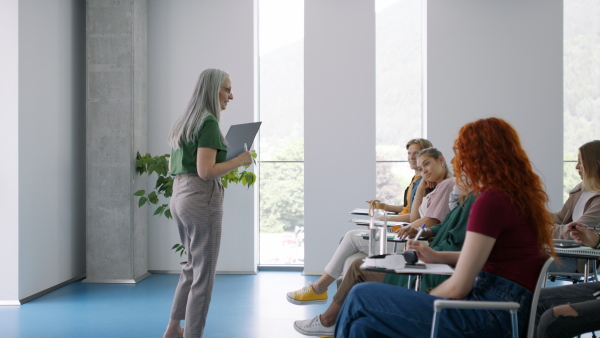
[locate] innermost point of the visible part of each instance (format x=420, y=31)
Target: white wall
x=184, y=38
x=503, y=59
x=9, y=148
x=339, y=121
x=42, y=240
x=51, y=143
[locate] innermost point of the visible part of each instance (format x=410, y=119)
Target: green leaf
x=140, y=193
x=168, y=214
x=142, y=201
x=152, y=197
x=251, y=179
x=159, y=210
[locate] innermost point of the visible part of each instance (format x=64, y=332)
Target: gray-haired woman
x=197, y=161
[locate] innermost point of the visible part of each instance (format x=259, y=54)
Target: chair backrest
x=536, y=295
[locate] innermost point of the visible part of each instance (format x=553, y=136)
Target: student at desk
x=448, y=236
x=350, y=244
x=508, y=228
x=570, y=310
x=429, y=210
x=583, y=204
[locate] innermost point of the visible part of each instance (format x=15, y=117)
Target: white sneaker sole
x=305, y=302
x=319, y=333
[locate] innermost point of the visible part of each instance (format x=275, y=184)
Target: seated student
x=570, y=310
x=448, y=236
x=508, y=229
x=413, y=147
x=583, y=204
x=429, y=210
x=574, y=309
x=316, y=293
x=434, y=171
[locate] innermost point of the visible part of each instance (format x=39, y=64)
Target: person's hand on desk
x=406, y=232
x=426, y=254
x=580, y=234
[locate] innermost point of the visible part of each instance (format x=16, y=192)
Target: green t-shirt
x=449, y=236
x=183, y=160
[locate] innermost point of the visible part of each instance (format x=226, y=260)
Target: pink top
x=435, y=204
x=515, y=255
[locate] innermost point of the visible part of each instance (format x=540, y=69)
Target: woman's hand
x=245, y=158
x=406, y=232
x=426, y=254
x=580, y=234
x=430, y=184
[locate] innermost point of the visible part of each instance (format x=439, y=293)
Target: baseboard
x=117, y=281
x=251, y=272
x=48, y=290
x=166, y=271
x=218, y=272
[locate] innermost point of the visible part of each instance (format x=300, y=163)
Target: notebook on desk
x=362, y=211
x=583, y=251
x=359, y=221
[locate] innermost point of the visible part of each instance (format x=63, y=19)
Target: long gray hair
x=204, y=101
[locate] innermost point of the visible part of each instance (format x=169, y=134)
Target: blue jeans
x=382, y=310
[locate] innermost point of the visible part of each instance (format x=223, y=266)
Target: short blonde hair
x=421, y=142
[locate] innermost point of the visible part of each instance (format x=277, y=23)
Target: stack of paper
x=392, y=262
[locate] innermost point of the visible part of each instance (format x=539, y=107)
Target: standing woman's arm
x=208, y=169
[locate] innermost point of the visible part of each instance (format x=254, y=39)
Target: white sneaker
x=313, y=327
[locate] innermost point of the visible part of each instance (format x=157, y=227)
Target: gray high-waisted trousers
x=197, y=208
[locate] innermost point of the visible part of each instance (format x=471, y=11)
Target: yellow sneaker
x=306, y=295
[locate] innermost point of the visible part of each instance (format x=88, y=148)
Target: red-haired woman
x=508, y=238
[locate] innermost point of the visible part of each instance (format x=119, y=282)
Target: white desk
x=430, y=269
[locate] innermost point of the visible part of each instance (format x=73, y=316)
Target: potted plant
x=163, y=189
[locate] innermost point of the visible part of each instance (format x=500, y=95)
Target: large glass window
x=281, y=143
x=581, y=82
x=398, y=92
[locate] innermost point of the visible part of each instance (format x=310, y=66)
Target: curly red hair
x=489, y=155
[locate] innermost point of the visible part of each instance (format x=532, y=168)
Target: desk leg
x=418, y=283
x=586, y=273
x=395, y=247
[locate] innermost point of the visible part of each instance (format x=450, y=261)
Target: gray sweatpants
x=197, y=209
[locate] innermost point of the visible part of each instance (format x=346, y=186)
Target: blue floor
x=242, y=306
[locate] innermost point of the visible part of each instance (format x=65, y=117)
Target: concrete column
x=117, y=241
